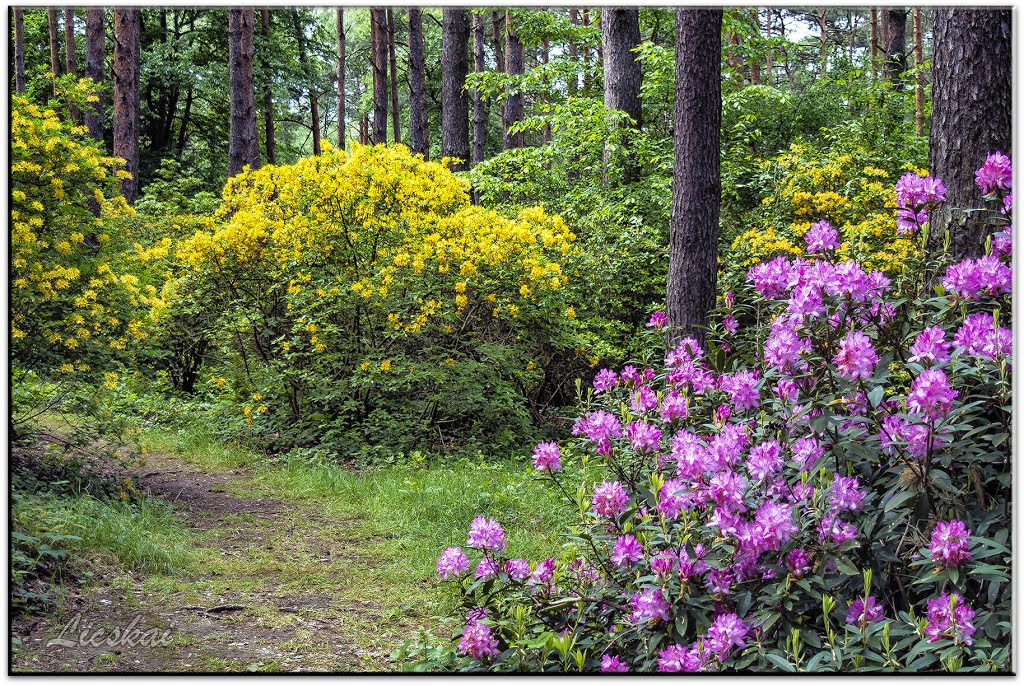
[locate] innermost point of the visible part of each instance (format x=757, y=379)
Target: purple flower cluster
x=980, y=336
x=864, y=611
x=995, y=175
x=605, y=380
x=547, y=456
x=821, y=237
x=931, y=395
x=856, y=357
x=951, y=543
x=452, y=562
x=658, y=320
x=627, y=551
x=612, y=663
x=486, y=534
x=599, y=427
x=649, y=605
x=974, y=279
x=930, y=346
x=477, y=641
x=949, y=617
x=915, y=196
x=610, y=499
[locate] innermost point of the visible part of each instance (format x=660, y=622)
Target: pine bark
x=823, y=38
x=620, y=34
x=497, y=19
x=19, y=50
x=51, y=19
x=514, y=104
x=971, y=117
x=896, y=46
x=396, y=118
x=339, y=20
x=454, y=99
x=268, y=97
x=126, y=64
x=479, y=111
x=314, y=109
x=243, y=145
x=419, y=134
x=696, y=187
x=70, y=59
x=379, y=64
x=755, y=64
x=918, y=73
x=95, y=44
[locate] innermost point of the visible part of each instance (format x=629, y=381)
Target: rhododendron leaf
x=844, y=565
x=898, y=499
x=875, y=395
x=780, y=662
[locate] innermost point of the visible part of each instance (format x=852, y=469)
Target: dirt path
x=272, y=586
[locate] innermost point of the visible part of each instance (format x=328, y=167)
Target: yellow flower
x=385, y=366
x=570, y=313
x=110, y=380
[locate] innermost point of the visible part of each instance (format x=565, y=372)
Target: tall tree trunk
x=268, y=97
x=514, y=105
x=769, y=60
x=620, y=34
x=874, y=42
x=419, y=135
x=918, y=73
x=972, y=99
x=479, y=111
x=696, y=183
x=339, y=17
x=896, y=46
x=19, y=50
x=574, y=54
x=243, y=145
x=823, y=38
x=95, y=44
x=186, y=117
x=396, y=115
x=454, y=99
x=600, y=48
x=70, y=58
x=379, y=64
x=364, y=130
x=585, y=21
x=545, y=57
x=314, y=109
x=127, y=26
x=51, y=17
x=755, y=63
x=497, y=21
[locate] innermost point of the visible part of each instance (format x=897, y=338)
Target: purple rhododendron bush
x=824, y=485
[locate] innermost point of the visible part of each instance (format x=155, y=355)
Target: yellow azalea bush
x=362, y=292
x=75, y=306
x=851, y=189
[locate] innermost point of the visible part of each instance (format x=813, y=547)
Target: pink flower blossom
x=930, y=395
x=547, y=456
x=951, y=543
x=856, y=358
x=821, y=237
x=452, y=562
x=995, y=174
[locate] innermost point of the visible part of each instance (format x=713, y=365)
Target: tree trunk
x=339, y=16
x=545, y=56
x=396, y=115
x=918, y=73
x=971, y=117
x=755, y=63
x=19, y=50
x=620, y=34
x=314, y=109
x=896, y=46
x=95, y=43
x=454, y=99
x=823, y=38
x=127, y=26
x=696, y=183
x=585, y=21
x=600, y=48
x=268, y=97
x=379, y=64
x=70, y=59
x=874, y=42
x=479, y=112
x=769, y=60
x=419, y=134
x=499, y=61
x=514, y=105
x=51, y=17
x=186, y=117
x=243, y=146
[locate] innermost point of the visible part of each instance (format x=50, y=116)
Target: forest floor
x=270, y=586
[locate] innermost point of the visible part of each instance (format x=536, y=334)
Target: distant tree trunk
x=823, y=37
x=545, y=56
x=755, y=63
x=185, y=119
x=735, y=60
x=514, y=104
x=874, y=42
x=379, y=64
x=51, y=17
x=419, y=134
x=896, y=46
x=918, y=73
x=499, y=61
x=769, y=60
x=972, y=115
x=268, y=97
x=127, y=26
x=95, y=43
x=600, y=48
x=620, y=34
x=243, y=145
x=364, y=130
x=479, y=111
x=585, y=21
x=696, y=183
x=454, y=99
x=19, y=50
x=339, y=20
x=314, y=109
x=70, y=59
x=396, y=115
x=574, y=55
